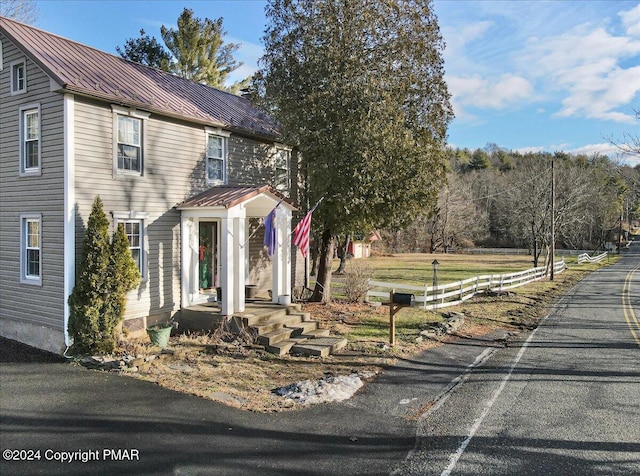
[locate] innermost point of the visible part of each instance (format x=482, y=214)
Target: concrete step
x=284, y=347
x=316, y=333
x=250, y=318
x=303, y=327
x=321, y=346
x=276, y=323
x=305, y=316
x=272, y=337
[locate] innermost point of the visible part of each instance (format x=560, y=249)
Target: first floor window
x=216, y=153
x=134, y=230
x=31, y=253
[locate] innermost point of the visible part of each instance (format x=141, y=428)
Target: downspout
x=69, y=210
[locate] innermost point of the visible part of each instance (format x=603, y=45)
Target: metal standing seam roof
x=86, y=71
x=228, y=196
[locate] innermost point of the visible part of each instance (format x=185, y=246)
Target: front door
x=208, y=257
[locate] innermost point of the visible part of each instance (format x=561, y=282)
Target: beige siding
x=23, y=303
x=174, y=169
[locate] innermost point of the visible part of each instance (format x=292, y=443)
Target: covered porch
x=215, y=251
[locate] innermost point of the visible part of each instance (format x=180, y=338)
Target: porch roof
x=229, y=196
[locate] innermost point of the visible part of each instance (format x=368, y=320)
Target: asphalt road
x=567, y=402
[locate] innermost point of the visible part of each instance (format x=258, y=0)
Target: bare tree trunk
x=342, y=254
x=314, y=257
x=322, y=291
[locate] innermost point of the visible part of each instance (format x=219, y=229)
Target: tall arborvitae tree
x=359, y=87
x=123, y=276
x=105, y=275
x=87, y=301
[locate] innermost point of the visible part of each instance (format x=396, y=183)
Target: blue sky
x=525, y=75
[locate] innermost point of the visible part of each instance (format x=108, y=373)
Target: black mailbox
x=404, y=298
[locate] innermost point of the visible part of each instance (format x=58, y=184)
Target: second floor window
x=129, y=144
x=282, y=176
x=30, y=140
x=216, y=158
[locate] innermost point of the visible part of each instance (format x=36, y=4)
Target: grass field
x=417, y=268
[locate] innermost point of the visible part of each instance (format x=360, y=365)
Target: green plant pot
x=160, y=337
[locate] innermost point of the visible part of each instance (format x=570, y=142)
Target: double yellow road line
x=627, y=307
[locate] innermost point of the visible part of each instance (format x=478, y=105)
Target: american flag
x=301, y=231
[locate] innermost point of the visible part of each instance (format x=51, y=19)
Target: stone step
x=321, y=346
x=276, y=323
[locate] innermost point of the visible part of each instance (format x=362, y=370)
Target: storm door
x=208, y=257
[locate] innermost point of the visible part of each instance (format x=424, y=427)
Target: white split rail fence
x=451, y=294
x=585, y=258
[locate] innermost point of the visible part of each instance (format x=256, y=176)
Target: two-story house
x=188, y=169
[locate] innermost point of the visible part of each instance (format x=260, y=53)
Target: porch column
x=188, y=274
x=281, y=260
x=226, y=270
x=232, y=272
x=238, y=263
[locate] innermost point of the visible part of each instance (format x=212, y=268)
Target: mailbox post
x=396, y=302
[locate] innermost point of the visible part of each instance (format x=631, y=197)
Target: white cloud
x=631, y=21
x=487, y=93
x=585, y=64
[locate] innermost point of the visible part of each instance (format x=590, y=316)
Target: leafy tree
x=359, y=87
x=25, y=11
x=479, y=160
x=146, y=50
x=199, y=49
x=106, y=273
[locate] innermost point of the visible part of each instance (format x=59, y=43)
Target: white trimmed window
x=134, y=228
x=31, y=248
x=30, y=140
x=282, y=163
x=18, y=77
x=216, y=156
x=129, y=125
x=129, y=144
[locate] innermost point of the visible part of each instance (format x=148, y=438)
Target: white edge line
x=453, y=459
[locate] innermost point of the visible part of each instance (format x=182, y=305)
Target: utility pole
x=553, y=217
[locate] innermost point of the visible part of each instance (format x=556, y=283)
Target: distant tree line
x=495, y=197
